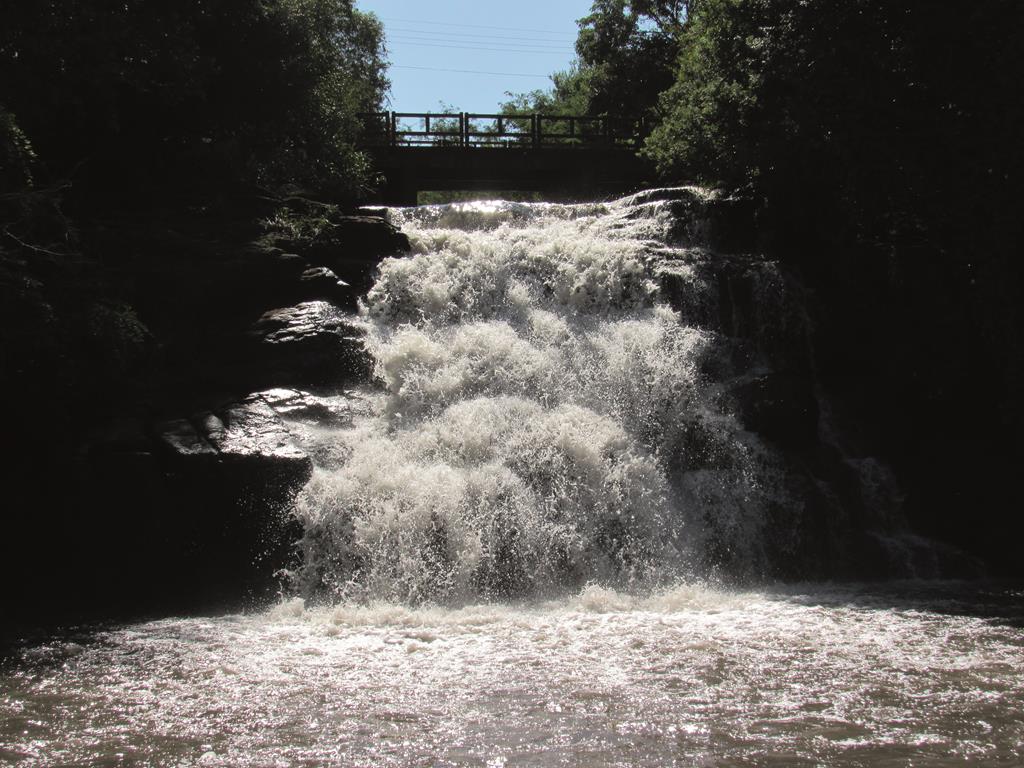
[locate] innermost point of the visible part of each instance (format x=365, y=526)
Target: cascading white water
x=547, y=421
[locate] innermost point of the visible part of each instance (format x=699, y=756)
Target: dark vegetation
x=155, y=160
x=880, y=143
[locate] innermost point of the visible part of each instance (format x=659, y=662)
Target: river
x=550, y=539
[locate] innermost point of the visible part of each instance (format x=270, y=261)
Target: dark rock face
x=312, y=344
x=296, y=405
x=147, y=478
x=780, y=407
x=183, y=440
x=349, y=246
x=247, y=433
x=847, y=516
x=185, y=513
x=722, y=223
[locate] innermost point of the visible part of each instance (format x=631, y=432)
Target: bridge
x=561, y=155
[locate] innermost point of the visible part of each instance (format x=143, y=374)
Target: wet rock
x=251, y=278
x=182, y=438
x=322, y=283
x=350, y=246
x=305, y=322
x=747, y=298
x=779, y=407
x=707, y=218
x=685, y=284
x=270, y=276
x=902, y=554
x=201, y=520
x=121, y=434
x=302, y=406
x=310, y=344
x=251, y=430
x=248, y=433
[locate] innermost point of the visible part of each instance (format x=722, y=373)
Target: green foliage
x=261, y=90
x=299, y=225
x=446, y=125
x=708, y=109
x=628, y=48
x=625, y=52
x=569, y=95
x=888, y=118
x=16, y=154
x=117, y=336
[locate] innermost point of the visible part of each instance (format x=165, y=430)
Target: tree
x=16, y=154
x=569, y=95
x=625, y=52
x=894, y=117
x=261, y=89
x=628, y=49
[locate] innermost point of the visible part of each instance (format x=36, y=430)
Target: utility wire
x=477, y=26
x=485, y=44
x=492, y=50
x=410, y=36
x=478, y=36
x=470, y=71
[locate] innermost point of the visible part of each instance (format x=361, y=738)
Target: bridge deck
x=565, y=155
x=522, y=131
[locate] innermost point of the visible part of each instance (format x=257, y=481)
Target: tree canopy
x=899, y=117
x=261, y=89
x=625, y=54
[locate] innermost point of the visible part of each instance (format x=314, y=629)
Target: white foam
x=539, y=398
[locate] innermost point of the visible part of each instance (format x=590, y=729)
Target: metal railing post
x=583, y=130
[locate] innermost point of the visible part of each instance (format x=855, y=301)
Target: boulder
x=310, y=344
x=260, y=276
x=182, y=439
x=296, y=405
x=247, y=434
x=707, y=218
x=780, y=407
x=252, y=431
x=350, y=246
x=194, y=510
x=322, y=283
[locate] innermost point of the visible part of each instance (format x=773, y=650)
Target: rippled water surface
x=547, y=422
x=904, y=675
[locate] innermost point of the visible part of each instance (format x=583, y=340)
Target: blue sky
x=498, y=46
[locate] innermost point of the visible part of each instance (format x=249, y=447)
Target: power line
x=478, y=36
x=483, y=43
x=492, y=50
x=478, y=41
x=477, y=26
x=470, y=71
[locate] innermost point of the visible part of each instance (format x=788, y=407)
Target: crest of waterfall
x=547, y=418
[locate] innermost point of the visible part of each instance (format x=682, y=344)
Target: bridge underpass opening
x=559, y=158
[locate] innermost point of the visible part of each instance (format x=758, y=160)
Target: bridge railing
x=521, y=131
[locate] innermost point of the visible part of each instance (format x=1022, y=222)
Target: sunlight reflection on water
x=695, y=675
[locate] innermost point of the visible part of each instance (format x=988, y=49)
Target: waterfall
x=548, y=418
